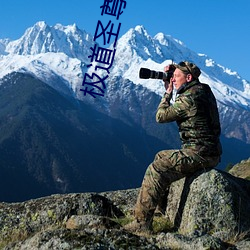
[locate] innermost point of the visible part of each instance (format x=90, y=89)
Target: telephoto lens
x=147, y=73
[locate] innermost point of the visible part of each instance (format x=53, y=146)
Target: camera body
x=146, y=73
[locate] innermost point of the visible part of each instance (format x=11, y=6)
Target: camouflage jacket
x=196, y=113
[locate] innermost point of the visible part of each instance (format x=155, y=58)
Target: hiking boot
x=140, y=227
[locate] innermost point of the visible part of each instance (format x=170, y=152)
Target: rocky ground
x=241, y=169
x=208, y=211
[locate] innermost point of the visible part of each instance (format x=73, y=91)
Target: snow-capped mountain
x=48, y=53
x=63, y=51
x=41, y=38
x=46, y=136
x=58, y=55
x=156, y=52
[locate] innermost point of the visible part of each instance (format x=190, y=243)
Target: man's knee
x=162, y=160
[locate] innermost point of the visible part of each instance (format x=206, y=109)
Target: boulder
x=19, y=221
x=210, y=202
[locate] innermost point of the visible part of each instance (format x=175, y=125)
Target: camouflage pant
x=167, y=167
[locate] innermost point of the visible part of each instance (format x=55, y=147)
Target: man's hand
x=168, y=85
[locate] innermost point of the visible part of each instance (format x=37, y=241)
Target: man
x=195, y=111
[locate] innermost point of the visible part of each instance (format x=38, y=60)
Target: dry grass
x=238, y=237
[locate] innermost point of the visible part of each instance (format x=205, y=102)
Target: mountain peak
x=68, y=29
x=138, y=47
x=42, y=38
x=160, y=50
x=141, y=29
x=167, y=40
x=136, y=34
x=41, y=24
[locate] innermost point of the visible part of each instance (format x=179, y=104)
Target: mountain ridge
x=137, y=45
x=43, y=32
x=42, y=38
x=121, y=125
x=56, y=144
x=65, y=72
x=168, y=50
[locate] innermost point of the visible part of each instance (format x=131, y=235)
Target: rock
x=241, y=169
x=178, y=241
x=20, y=220
x=90, y=221
x=243, y=245
x=124, y=199
x=209, y=210
x=63, y=239
x=212, y=202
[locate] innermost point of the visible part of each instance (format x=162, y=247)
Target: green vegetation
x=160, y=223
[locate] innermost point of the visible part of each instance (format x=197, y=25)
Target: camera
x=145, y=73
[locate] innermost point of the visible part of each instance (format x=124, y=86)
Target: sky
x=217, y=28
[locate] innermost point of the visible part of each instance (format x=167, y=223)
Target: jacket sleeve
x=181, y=109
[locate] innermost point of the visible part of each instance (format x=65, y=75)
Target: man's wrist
x=167, y=96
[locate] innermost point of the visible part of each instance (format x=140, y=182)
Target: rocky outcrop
x=210, y=202
x=209, y=210
x=241, y=169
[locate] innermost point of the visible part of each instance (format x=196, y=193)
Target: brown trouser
x=167, y=167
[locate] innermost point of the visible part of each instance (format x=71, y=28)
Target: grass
x=123, y=220
x=15, y=236
x=160, y=223
x=239, y=237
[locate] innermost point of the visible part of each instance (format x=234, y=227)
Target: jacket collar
x=187, y=85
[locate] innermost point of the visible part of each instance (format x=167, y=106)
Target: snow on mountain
x=62, y=51
x=48, y=53
x=47, y=67
x=41, y=38
x=3, y=43
x=137, y=49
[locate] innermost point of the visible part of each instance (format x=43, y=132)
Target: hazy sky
x=218, y=28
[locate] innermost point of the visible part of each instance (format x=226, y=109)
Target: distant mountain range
x=55, y=139
x=52, y=143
